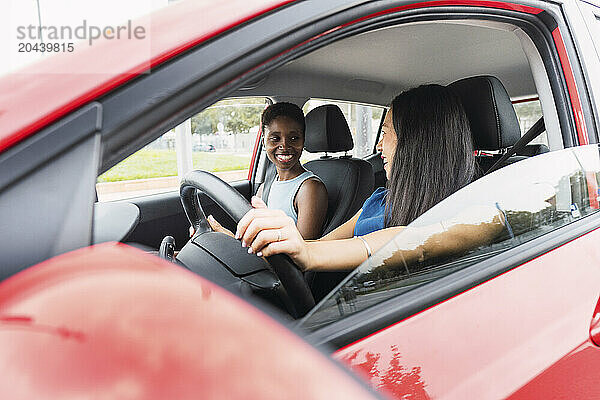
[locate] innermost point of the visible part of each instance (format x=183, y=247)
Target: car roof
x=37, y=95
x=374, y=66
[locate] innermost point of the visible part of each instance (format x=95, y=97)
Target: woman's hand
x=215, y=225
x=267, y=232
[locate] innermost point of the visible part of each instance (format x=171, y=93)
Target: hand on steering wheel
x=236, y=206
x=267, y=232
x=215, y=225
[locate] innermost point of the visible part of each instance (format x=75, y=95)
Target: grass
x=160, y=163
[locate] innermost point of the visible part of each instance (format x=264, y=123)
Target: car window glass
x=220, y=139
x=533, y=197
x=528, y=113
x=363, y=120
x=152, y=169
x=224, y=134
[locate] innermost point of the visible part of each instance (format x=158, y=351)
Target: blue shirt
x=371, y=218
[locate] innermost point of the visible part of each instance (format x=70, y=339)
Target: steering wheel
x=235, y=205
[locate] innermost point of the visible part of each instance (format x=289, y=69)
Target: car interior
x=492, y=65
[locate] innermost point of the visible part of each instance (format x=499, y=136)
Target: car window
x=363, y=120
x=220, y=139
x=224, y=135
x=529, y=112
x=534, y=197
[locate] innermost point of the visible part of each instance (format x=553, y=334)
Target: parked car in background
x=203, y=147
x=88, y=309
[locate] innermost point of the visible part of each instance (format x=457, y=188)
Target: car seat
x=349, y=181
x=493, y=120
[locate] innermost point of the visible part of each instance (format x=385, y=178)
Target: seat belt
x=536, y=130
x=269, y=178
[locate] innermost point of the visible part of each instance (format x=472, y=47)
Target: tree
x=237, y=116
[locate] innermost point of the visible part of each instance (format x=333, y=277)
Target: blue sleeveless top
x=371, y=218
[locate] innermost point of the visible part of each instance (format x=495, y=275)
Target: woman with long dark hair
x=433, y=154
x=427, y=154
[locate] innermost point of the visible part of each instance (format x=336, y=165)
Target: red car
x=88, y=309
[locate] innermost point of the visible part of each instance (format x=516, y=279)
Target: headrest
x=327, y=130
x=493, y=120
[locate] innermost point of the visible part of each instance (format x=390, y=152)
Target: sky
x=15, y=13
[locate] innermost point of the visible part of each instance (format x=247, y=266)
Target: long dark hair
x=434, y=153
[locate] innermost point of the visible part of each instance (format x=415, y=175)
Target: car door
x=509, y=318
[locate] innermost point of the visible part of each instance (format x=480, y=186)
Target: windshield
x=502, y=210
